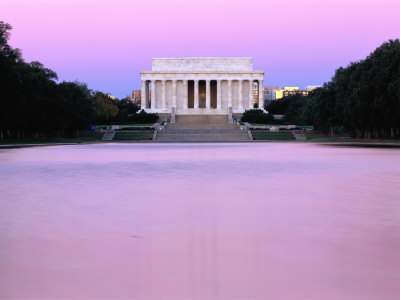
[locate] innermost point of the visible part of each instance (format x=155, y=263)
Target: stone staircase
x=299, y=135
x=108, y=135
x=202, y=122
x=202, y=128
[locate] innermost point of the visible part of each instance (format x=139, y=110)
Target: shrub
x=143, y=118
x=257, y=116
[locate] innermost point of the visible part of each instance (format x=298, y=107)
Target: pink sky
x=107, y=43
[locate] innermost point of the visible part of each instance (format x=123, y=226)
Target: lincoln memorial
x=201, y=85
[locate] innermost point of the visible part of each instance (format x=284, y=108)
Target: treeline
x=362, y=99
x=33, y=104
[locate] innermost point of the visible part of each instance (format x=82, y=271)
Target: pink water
x=200, y=221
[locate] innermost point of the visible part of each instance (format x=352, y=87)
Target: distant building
x=111, y=96
x=288, y=91
x=285, y=91
x=309, y=88
x=136, y=97
x=270, y=93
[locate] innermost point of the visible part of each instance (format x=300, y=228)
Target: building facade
x=270, y=93
x=288, y=91
x=310, y=88
x=136, y=97
x=202, y=85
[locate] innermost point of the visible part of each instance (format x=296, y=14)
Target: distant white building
x=270, y=93
x=309, y=88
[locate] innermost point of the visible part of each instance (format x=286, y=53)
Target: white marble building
x=203, y=85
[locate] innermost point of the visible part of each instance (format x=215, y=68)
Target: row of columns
x=208, y=92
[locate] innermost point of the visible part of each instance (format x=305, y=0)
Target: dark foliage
x=105, y=110
x=33, y=104
x=362, y=99
x=143, y=118
x=126, y=110
x=257, y=116
x=279, y=107
x=289, y=106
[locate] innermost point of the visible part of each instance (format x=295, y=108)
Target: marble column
x=219, y=94
x=153, y=94
x=163, y=104
x=143, y=95
x=174, y=93
x=208, y=98
x=196, y=94
x=185, y=94
x=229, y=93
x=260, y=95
x=251, y=103
x=240, y=94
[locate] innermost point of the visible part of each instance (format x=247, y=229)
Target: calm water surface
x=200, y=221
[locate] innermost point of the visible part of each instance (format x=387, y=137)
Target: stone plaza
x=201, y=86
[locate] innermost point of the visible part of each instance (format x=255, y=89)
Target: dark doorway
x=190, y=94
x=213, y=93
x=202, y=94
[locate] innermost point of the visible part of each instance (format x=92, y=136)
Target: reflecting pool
x=200, y=221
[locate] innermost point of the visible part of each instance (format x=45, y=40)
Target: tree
x=127, y=109
x=290, y=106
x=32, y=103
x=104, y=108
x=362, y=99
x=257, y=116
x=144, y=118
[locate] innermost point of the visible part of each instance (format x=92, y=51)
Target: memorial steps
x=202, y=122
x=108, y=135
x=189, y=135
x=202, y=128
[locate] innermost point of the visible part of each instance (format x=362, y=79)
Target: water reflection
x=200, y=221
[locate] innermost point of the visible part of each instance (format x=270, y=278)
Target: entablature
x=153, y=75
